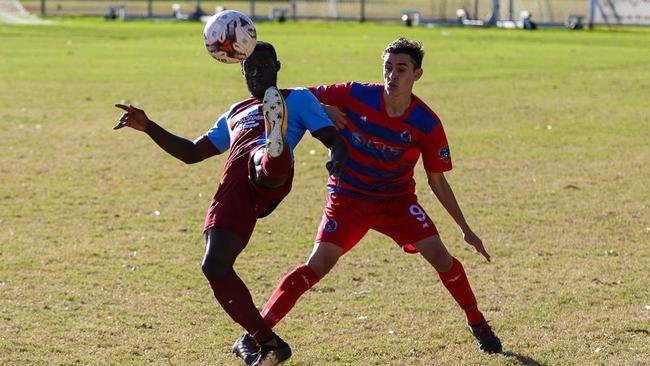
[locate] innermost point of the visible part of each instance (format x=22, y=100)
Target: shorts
x=239, y=202
x=347, y=219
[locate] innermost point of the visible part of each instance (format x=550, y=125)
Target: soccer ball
x=230, y=36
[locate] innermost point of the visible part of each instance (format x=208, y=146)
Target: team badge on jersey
x=406, y=136
x=444, y=153
x=330, y=226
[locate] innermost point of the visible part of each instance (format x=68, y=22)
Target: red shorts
x=347, y=219
x=239, y=202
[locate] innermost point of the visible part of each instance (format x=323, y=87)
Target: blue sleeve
x=219, y=135
x=312, y=114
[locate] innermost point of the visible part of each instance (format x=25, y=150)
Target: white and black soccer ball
x=230, y=36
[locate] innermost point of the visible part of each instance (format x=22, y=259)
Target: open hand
x=132, y=117
x=473, y=240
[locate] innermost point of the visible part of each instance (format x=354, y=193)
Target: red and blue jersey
x=383, y=150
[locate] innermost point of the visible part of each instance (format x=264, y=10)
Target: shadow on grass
x=524, y=360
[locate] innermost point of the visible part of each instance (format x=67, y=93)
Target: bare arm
x=445, y=195
x=338, y=151
x=179, y=147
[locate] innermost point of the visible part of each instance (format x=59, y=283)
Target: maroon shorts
x=347, y=219
x=239, y=202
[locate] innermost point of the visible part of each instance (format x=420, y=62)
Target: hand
x=473, y=240
x=335, y=168
x=132, y=117
x=339, y=118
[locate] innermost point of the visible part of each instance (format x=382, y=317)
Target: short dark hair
x=265, y=46
x=409, y=47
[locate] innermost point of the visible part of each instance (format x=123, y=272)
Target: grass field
x=100, y=231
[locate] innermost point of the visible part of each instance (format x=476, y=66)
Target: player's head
x=402, y=65
x=260, y=69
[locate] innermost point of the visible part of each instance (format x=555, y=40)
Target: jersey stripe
x=367, y=96
x=374, y=129
x=422, y=119
x=362, y=147
x=373, y=173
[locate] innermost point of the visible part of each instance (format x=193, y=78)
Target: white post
x=592, y=9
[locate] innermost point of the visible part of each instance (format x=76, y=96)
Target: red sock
x=278, y=166
x=236, y=300
x=456, y=282
x=285, y=296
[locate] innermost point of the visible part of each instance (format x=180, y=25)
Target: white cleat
x=275, y=121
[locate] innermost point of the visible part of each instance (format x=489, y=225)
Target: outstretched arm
x=338, y=151
x=445, y=194
x=179, y=147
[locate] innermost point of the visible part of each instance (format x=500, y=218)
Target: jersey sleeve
x=334, y=94
x=312, y=114
x=435, y=151
x=219, y=134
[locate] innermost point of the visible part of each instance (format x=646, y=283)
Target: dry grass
x=549, y=134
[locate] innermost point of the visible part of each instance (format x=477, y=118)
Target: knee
x=214, y=270
x=221, y=249
x=321, y=264
x=435, y=252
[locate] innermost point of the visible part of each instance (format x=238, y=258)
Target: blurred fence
x=543, y=11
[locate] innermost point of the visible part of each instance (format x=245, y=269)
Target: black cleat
x=246, y=348
x=272, y=352
x=488, y=342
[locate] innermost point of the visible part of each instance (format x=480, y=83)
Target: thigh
x=343, y=222
x=267, y=199
x=234, y=206
x=404, y=221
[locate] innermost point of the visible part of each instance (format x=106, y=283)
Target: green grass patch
x=549, y=132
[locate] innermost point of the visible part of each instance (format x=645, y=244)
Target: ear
x=278, y=65
x=418, y=74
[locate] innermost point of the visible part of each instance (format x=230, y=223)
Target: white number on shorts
x=419, y=214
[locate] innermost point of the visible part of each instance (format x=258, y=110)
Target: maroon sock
x=278, y=166
x=236, y=300
x=285, y=296
x=456, y=282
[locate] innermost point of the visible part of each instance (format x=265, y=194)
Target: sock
x=278, y=166
x=285, y=296
x=236, y=300
x=458, y=286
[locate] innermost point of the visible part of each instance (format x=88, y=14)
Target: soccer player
x=261, y=133
x=387, y=130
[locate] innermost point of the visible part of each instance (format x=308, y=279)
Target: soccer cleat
x=272, y=352
x=488, y=342
x=275, y=121
x=246, y=348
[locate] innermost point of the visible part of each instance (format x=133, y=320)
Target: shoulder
x=298, y=96
x=369, y=94
x=422, y=117
x=236, y=107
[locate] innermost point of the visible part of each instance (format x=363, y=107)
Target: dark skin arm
x=187, y=151
x=338, y=151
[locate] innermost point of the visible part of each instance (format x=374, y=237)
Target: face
x=399, y=73
x=260, y=70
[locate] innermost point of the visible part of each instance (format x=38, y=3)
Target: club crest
x=330, y=226
x=406, y=136
x=444, y=153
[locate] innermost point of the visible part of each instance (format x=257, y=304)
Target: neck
x=396, y=104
